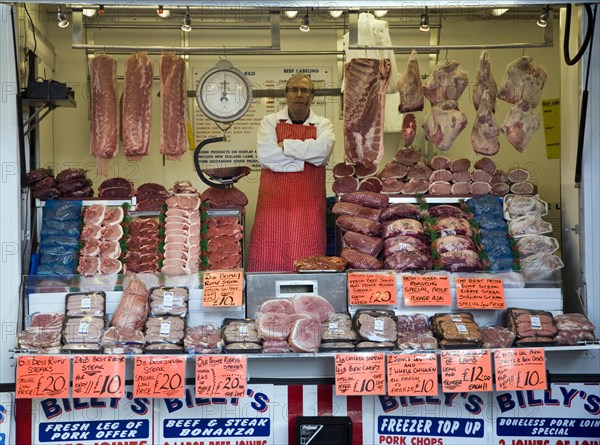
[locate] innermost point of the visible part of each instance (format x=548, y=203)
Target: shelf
x=68, y=102
x=90, y=200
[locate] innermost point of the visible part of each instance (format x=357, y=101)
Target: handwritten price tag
x=520, y=369
x=40, y=376
x=426, y=291
x=98, y=376
x=480, y=293
x=159, y=376
x=359, y=374
x=223, y=288
x=372, y=288
x=412, y=374
x=221, y=376
x=466, y=370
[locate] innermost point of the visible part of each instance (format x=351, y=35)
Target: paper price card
x=159, y=376
x=359, y=374
x=480, y=293
x=372, y=288
x=412, y=374
x=42, y=376
x=426, y=291
x=466, y=370
x=221, y=376
x=520, y=369
x=223, y=288
x=98, y=376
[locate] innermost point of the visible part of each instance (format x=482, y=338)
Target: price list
x=372, y=289
x=480, y=293
x=520, y=369
x=223, y=288
x=221, y=376
x=466, y=370
x=98, y=376
x=159, y=376
x=360, y=374
x=412, y=374
x=42, y=376
x=426, y=291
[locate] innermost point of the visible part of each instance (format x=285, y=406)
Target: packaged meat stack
x=493, y=232
x=83, y=334
x=43, y=334
x=240, y=336
x=532, y=328
x=42, y=183
x=74, y=183
x=142, y=254
x=59, y=237
x=203, y=339
x=224, y=238
x=230, y=198
x=116, y=188
x=296, y=322
x=165, y=334
x=100, y=237
x=497, y=337
x=351, y=178
x=414, y=332
x=169, y=301
x=182, y=235
x=150, y=197
x=376, y=329
x=123, y=341
x=358, y=217
x=83, y=304
x=456, y=330
x=573, y=329
x=338, y=334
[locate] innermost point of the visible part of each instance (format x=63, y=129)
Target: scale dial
x=224, y=93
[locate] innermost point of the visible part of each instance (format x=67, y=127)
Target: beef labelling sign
x=372, y=288
x=480, y=293
x=223, y=288
x=40, y=376
x=360, y=374
x=466, y=370
x=158, y=376
x=99, y=376
x=221, y=376
x=421, y=290
x=520, y=369
x=412, y=374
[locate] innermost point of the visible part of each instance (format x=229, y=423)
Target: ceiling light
x=497, y=12
x=89, y=12
x=380, y=12
x=305, y=26
x=187, y=21
x=424, y=26
x=101, y=9
x=544, y=16
x=336, y=14
x=291, y=14
x=62, y=18
x=163, y=13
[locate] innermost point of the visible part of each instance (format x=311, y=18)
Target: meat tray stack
x=532, y=327
x=338, y=334
x=142, y=246
x=224, y=237
x=101, y=235
x=414, y=333
x=241, y=336
x=43, y=334
x=85, y=322
x=456, y=330
x=203, y=339
x=376, y=329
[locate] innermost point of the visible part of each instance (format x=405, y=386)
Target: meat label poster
x=6, y=417
x=240, y=147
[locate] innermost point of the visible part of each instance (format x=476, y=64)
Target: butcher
x=293, y=146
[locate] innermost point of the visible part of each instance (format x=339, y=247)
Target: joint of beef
x=360, y=260
x=393, y=169
x=404, y=243
x=444, y=123
x=342, y=169
x=415, y=186
x=358, y=224
x=345, y=184
x=446, y=82
x=367, y=199
x=404, y=226
x=405, y=261
x=520, y=124
x=440, y=188
x=524, y=80
x=408, y=156
x=400, y=210
x=410, y=86
x=349, y=208
x=460, y=261
x=37, y=175
x=370, y=184
x=392, y=186
x=370, y=245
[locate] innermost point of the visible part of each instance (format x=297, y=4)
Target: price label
x=412, y=374
x=223, y=288
x=159, y=376
x=372, y=288
x=359, y=374
x=466, y=370
x=422, y=290
x=480, y=293
x=221, y=376
x=98, y=376
x=41, y=376
x=520, y=369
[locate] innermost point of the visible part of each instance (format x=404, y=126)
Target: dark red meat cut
x=415, y=186
x=394, y=170
x=404, y=243
x=408, y=156
x=116, y=193
x=460, y=165
x=453, y=242
x=359, y=260
x=115, y=182
x=45, y=183
x=150, y=205
x=349, y=208
x=408, y=261
x=342, y=169
x=486, y=164
x=45, y=194
x=400, y=210
x=445, y=210
x=358, y=224
x=440, y=188
x=345, y=184
x=404, y=226
x=68, y=187
x=38, y=174
x=409, y=128
x=367, y=199
x=70, y=174
x=460, y=261
x=392, y=186
x=226, y=195
x=364, y=171
x=440, y=175
x=440, y=162
x=419, y=171
x=372, y=184
x=363, y=243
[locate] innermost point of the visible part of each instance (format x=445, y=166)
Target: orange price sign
x=221, y=376
x=159, y=376
x=223, y=288
x=520, y=369
x=360, y=374
x=422, y=290
x=480, y=293
x=412, y=374
x=41, y=376
x=466, y=370
x=372, y=288
x=98, y=376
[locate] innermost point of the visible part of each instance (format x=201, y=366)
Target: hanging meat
x=524, y=80
x=446, y=82
x=409, y=128
x=137, y=106
x=484, y=80
x=484, y=136
x=411, y=87
x=173, y=134
x=520, y=124
x=444, y=123
x=364, y=101
x=104, y=142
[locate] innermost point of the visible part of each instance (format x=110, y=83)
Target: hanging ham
x=520, y=124
x=104, y=142
x=446, y=82
x=411, y=87
x=173, y=134
x=524, y=80
x=137, y=106
x=444, y=124
x=484, y=136
x=484, y=80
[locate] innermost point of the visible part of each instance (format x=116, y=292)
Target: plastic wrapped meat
x=516, y=206
x=453, y=242
x=541, y=262
x=405, y=261
x=404, y=226
x=528, y=225
x=169, y=301
x=486, y=205
x=497, y=337
x=240, y=331
x=453, y=226
x=533, y=244
x=338, y=328
x=377, y=326
x=165, y=330
x=203, y=339
x=460, y=260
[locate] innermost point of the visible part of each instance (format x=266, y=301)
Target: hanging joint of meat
x=484, y=80
x=484, y=136
x=446, y=82
x=444, y=123
x=411, y=87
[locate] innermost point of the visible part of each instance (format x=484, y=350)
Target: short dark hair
x=299, y=76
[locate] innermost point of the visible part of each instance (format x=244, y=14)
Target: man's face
x=299, y=97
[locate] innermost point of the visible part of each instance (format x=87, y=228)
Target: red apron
x=290, y=213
